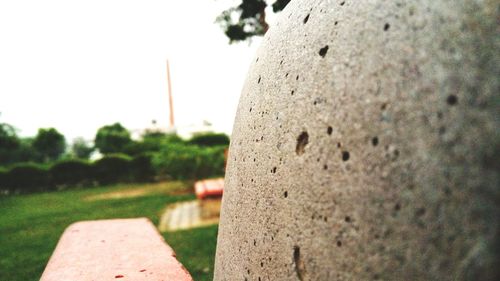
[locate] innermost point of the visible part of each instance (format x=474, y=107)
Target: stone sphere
x=367, y=145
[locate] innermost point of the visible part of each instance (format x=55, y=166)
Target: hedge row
x=180, y=161
x=25, y=178
x=172, y=161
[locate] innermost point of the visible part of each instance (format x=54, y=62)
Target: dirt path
x=191, y=214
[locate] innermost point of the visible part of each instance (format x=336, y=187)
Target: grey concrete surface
x=366, y=146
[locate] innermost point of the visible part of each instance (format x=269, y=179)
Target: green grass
x=30, y=226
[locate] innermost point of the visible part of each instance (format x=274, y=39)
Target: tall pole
x=170, y=100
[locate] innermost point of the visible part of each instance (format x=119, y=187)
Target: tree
x=50, y=144
x=9, y=142
x=112, y=139
x=251, y=19
x=8, y=137
x=81, y=149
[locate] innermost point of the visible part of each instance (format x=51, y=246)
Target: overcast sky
x=79, y=65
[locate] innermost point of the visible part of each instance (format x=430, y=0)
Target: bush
x=70, y=173
x=210, y=139
x=26, y=178
x=3, y=187
x=113, y=168
x=142, y=168
x=180, y=161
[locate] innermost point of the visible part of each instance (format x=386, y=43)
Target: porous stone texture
x=366, y=146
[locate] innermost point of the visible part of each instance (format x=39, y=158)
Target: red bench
x=209, y=188
x=121, y=249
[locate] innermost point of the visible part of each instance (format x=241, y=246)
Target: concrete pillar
x=366, y=146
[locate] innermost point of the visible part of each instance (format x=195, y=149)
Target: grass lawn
x=30, y=225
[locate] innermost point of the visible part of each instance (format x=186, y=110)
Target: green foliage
x=50, y=144
x=210, y=139
x=112, y=139
x=151, y=142
x=3, y=173
x=112, y=168
x=181, y=161
x=8, y=137
x=26, y=152
x=25, y=178
x=279, y=5
x=71, y=173
x=251, y=19
x=81, y=149
x=14, y=149
x=142, y=169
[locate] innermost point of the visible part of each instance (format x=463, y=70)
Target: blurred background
x=114, y=109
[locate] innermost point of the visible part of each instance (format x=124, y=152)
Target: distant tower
x=170, y=99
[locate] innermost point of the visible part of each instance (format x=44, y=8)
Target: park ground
x=31, y=225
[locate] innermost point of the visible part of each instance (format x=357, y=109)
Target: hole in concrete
x=273, y=170
x=302, y=141
x=325, y=167
x=339, y=145
x=347, y=219
x=339, y=244
x=142, y=270
x=329, y=130
x=306, y=18
x=119, y=276
x=285, y=194
x=323, y=51
x=293, y=91
x=342, y=3
x=286, y=75
x=336, y=22
x=387, y=26
x=420, y=212
x=452, y=100
x=397, y=207
x=297, y=78
x=396, y=154
x=375, y=141
x=345, y=155
x=261, y=264
x=258, y=82
x=299, y=263
x=250, y=110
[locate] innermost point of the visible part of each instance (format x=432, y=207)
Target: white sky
x=79, y=65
